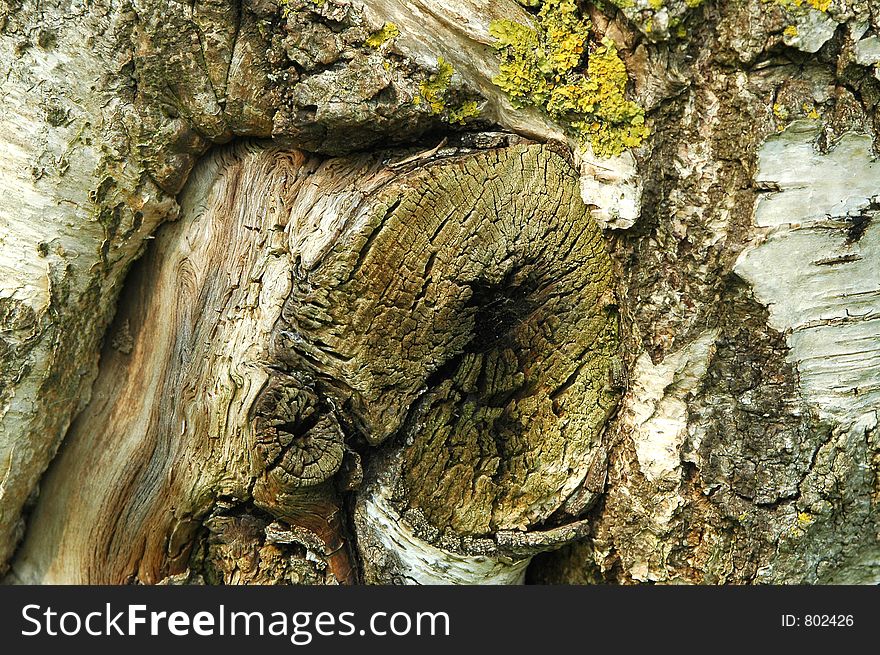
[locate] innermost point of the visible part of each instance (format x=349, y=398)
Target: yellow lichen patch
x=780, y=112
x=804, y=5
x=460, y=115
x=532, y=59
x=805, y=519
x=377, y=38
x=784, y=113
x=791, y=31
x=435, y=91
x=540, y=67
x=618, y=123
x=434, y=88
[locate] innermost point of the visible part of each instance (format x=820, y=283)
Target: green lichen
x=377, y=38
x=433, y=89
x=612, y=122
x=460, y=115
x=534, y=60
x=541, y=67
x=818, y=5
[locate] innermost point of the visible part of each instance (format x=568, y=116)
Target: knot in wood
x=459, y=310
x=299, y=441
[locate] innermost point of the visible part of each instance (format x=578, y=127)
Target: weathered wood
x=299, y=308
x=106, y=106
x=469, y=316
x=165, y=436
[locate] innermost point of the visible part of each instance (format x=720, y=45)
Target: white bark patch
x=867, y=51
x=696, y=162
x=659, y=408
x=613, y=187
x=655, y=412
x=814, y=28
x=56, y=134
x=821, y=284
x=422, y=563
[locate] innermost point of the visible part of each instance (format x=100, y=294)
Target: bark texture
x=391, y=338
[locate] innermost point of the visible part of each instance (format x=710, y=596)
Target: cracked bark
x=349, y=355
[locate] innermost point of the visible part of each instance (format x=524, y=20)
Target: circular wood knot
x=459, y=316
x=299, y=441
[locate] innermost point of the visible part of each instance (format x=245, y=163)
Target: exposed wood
x=165, y=436
x=271, y=325
x=106, y=106
x=398, y=358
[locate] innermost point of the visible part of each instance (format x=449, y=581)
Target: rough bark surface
x=363, y=356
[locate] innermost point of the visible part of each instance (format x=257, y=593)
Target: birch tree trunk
x=371, y=291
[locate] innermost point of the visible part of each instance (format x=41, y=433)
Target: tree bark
x=305, y=293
